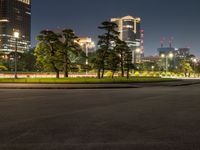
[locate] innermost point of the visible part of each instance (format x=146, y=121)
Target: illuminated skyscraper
x=130, y=32
x=142, y=43
x=87, y=45
x=15, y=15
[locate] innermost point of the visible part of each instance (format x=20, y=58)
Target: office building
x=87, y=46
x=130, y=32
x=182, y=53
x=15, y=16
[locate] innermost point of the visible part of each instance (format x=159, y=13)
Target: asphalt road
x=149, y=118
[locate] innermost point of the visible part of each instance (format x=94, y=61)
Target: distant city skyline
x=160, y=18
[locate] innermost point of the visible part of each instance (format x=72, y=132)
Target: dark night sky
x=160, y=18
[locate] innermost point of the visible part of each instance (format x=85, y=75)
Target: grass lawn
x=85, y=80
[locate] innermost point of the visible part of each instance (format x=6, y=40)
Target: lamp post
x=170, y=55
x=194, y=60
x=16, y=36
x=152, y=67
x=88, y=45
x=137, y=53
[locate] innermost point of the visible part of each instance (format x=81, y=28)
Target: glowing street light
x=16, y=35
x=86, y=43
x=162, y=55
x=170, y=55
x=138, y=50
x=195, y=61
x=152, y=67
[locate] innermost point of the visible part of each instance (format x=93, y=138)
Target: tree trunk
x=66, y=72
x=122, y=70
x=122, y=66
x=57, y=72
x=128, y=71
x=66, y=67
x=99, y=73
x=103, y=71
x=113, y=73
x=66, y=75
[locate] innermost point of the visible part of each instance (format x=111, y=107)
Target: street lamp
x=152, y=67
x=138, y=50
x=88, y=45
x=16, y=36
x=170, y=55
x=163, y=55
x=194, y=60
x=137, y=55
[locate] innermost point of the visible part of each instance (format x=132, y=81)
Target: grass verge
x=85, y=80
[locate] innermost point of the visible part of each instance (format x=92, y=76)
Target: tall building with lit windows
x=15, y=15
x=130, y=31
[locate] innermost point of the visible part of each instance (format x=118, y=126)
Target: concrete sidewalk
x=95, y=86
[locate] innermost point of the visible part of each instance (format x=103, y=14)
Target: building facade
x=15, y=16
x=130, y=32
x=142, y=43
x=87, y=45
x=182, y=53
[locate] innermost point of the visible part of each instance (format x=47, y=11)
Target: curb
x=51, y=86
x=93, y=86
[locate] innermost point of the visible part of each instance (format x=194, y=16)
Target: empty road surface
x=148, y=118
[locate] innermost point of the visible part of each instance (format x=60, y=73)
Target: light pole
x=170, y=55
x=87, y=45
x=152, y=67
x=137, y=57
x=16, y=36
x=86, y=51
x=194, y=60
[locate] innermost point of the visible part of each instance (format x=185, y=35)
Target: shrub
x=3, y=68
x=182, y=75
x=130, y=74
x=151, y=74
x=119, y=73
x=157, y=74
x=163, y=74
x=173, y=74
x=168, y=74
x=178, y=74
x=108, y=74
x=145, y=74
x=137, y=74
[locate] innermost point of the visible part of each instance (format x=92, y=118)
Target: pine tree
x=104, y=43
